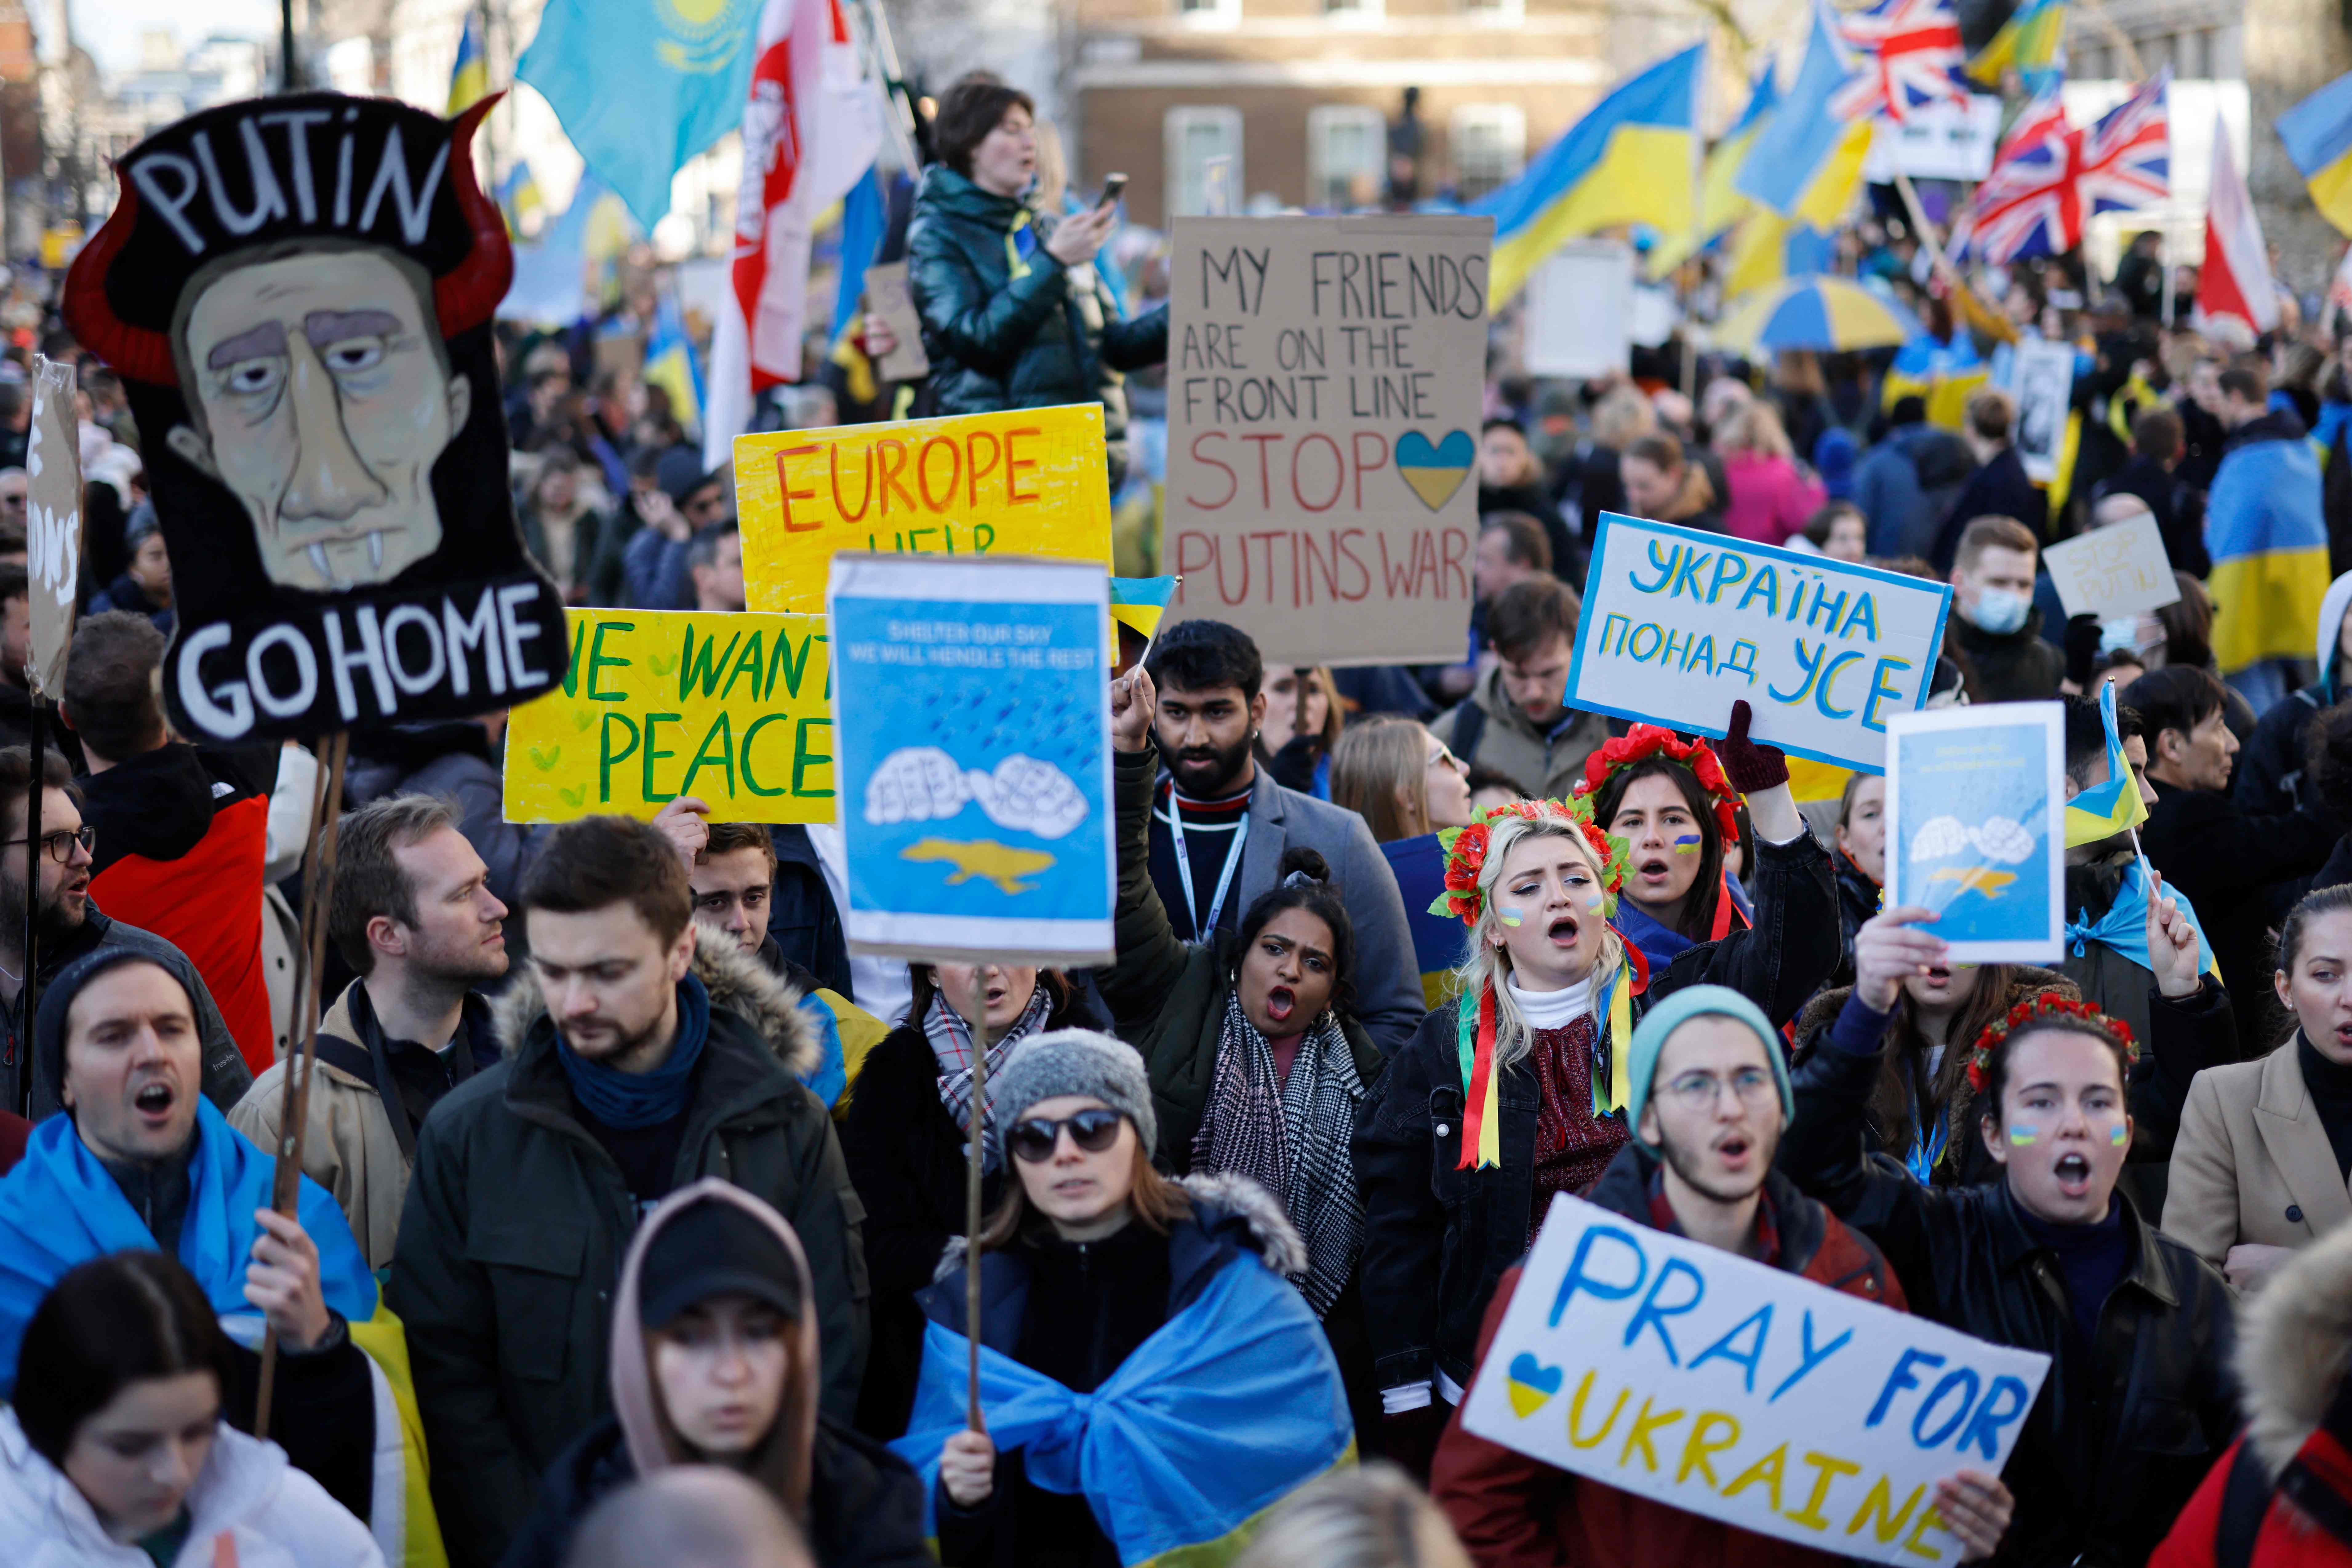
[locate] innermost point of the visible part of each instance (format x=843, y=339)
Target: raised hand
x=2172, y=949
x=1887, y=951
x=685, y=823
x=1133, y=701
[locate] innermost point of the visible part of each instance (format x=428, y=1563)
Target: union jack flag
x=1910, y=57
x=2048, y=176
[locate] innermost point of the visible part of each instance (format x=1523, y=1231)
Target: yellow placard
x=1028, y=482
x=733, y=709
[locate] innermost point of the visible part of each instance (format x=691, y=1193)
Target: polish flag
x=2235, y=292
x=812, y=127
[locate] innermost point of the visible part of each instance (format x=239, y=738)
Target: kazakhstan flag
x=642, y=87
x=1627, y=161
x=2318, y=136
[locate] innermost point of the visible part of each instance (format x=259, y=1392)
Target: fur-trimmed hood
x=1221, y=1202
x=2295, y=1345
x=737, y=981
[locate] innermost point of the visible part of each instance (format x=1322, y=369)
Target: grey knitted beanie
x=1075, y=1061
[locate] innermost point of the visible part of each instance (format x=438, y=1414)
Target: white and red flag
x=2235, y=292
x=811, y=129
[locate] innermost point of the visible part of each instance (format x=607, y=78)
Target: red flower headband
x=2041, y=1004
x=1466, y=853
x=1645, y=741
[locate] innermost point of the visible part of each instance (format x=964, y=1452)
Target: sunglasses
x=1092, y=1131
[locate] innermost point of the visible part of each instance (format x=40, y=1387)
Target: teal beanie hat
x=1671, y=1013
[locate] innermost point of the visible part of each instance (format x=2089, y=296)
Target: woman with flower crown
x=2047, y=1256
x=1514, y=1090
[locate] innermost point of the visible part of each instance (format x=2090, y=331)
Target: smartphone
x=1113, y=188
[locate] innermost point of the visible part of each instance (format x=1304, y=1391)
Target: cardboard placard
x=52, y=524
x=1975, y=827
x=2116, y=571
x=973, y=725
x=1025, y=482
x=733, y=709
x=1678, y=624
x=1716, y=1384
x=298, y=293
x=2044, y=378
x=886, y=296
x=1324, y=386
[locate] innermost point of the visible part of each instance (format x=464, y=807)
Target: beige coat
x=350, y=1149
x=2252, y=1163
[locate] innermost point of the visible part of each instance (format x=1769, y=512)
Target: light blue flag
x=641, y=88
x=1802, y=130
x=864, y=216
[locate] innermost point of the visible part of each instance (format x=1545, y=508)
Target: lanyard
x=1203, y=931
x=1927, y=1144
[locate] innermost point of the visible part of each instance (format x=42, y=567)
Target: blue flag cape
x=58, y=1209
x=2124, y=925
x=1228, y=1407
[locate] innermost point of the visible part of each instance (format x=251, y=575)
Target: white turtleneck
x=1553, y=1009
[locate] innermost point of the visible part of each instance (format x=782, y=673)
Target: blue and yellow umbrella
x=1819, y=312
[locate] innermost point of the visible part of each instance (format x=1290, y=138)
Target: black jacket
x=2268, y=778
x=802, y=916
x=2096, y=1486
x=1567, y=552
x=866, y=1505
x=1437, y=1238
x=2179, y=510
x=1998, y=489
x=996, y=341
x=2015, y=667
x=1858, y=898
x=2228, y=863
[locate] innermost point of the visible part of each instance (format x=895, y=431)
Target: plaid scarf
x=1291, y=1137
x=951, y=1039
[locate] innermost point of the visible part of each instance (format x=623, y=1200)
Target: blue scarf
x=2124, y=925
x=60, y=1208
x=1662, y=946
x=624, y=1100
x=1243, y=1373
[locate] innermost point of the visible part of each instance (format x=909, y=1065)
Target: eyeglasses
x=61, y=844
x=1700, y=1091
x=1093, y=1131
x=1443, y=757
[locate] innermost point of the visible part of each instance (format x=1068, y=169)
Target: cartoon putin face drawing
x=320, y=393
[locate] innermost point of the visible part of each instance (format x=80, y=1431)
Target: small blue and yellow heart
x=1532, y=1384
x=1435, y=470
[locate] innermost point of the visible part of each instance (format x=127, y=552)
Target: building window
x=1192, y=137
x=1346, y=154
x=1209, y=13
x=1490, y=146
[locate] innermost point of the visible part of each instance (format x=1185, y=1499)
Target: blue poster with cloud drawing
x=972, y=752
x=1975, y=806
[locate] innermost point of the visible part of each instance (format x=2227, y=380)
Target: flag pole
x=977, y=1156
x=1694, y=268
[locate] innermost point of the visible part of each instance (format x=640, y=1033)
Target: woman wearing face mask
x=1149, y=1380
x=114, y=1454
x=715, y=1361
x=2048, y=1257
x=2260, y=1167
x=1669, y=800
x=906, y=1140
x=1860, y=862
x=1511, y=1092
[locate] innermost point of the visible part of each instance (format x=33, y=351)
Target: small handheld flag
x=2116, y=806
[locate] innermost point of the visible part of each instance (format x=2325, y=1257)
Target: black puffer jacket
x=1437, y=1238
x=2096, y=1486
x=998, y=338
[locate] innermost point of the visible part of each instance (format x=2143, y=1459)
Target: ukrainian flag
x=1628, y=160
x=672, y=364
x=469, y=78
x=1806, y=161
x=2029, y=43
x=1138, y=604
x=1437, y=939
x=1719, y=205
x=2318, y=136
x=519, y=195
x=2105, y=810
x=2268, y=538
x=1769, y=248
x=1941, y=374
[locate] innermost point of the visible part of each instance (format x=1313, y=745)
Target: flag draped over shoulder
x=1243, y=1369
x=1807, y=161
x=2319, y=137
x=640, y=88
x=2267, y=533
x=1628, y=160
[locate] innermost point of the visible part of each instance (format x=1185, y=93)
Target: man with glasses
x=1709, y=1099
x=657, y=565
x=69, y=925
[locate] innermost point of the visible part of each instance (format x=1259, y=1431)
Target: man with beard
x=1219, y=823
x=70, y=927
x=413, y=912
x=1709, y=1099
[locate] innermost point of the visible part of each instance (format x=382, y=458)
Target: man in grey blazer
x=1219, y=823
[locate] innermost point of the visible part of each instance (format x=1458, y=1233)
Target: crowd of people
x=633, y=1219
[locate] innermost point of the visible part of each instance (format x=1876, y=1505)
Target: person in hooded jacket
x=143, y=588
x=1149, y=1380
x=2281, y=1497
x=1014, y=314
x=116, y=1451
x=1456, y=1183
x=714, y=1361
x=2269, y=776
x=1905, y=484
x=908, y=1139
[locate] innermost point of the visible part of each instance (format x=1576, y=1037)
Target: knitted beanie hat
x=1075, y=1061
x=1671, y=1013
